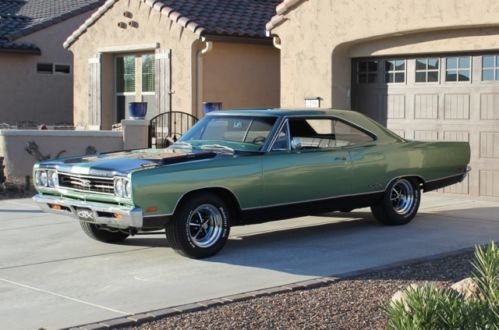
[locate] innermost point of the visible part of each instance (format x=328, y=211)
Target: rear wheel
x=200, y=227
x=102, y=233
x=400, y=203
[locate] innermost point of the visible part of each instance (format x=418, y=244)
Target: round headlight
x=43, y=178
x=119, y=189
x=53, y=179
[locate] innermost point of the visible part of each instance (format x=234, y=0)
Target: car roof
x=355, y=117
x=281, y=112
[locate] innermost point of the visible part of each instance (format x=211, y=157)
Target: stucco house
x=174, y=55
x=36, y=72
x=429, y=70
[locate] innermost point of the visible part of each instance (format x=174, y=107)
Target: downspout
x=199, y=74
x=276, y=41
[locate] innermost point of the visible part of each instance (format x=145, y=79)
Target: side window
x=349, y=135
x=326, y=133
x=282, y=141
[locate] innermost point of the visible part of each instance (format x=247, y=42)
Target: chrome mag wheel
x=205, y=225
x=403, y=197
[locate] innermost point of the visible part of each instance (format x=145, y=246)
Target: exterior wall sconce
x=313, y=101
x=133, y=24
x=128, y=14
x=122, y=25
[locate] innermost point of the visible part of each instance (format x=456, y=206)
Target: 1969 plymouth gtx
x=245, y=166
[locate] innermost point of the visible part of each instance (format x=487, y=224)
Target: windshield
x=226, y=133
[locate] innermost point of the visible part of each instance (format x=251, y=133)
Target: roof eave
x=154, y=4
x=21, y=51
x=237, y=39
x=281, y=10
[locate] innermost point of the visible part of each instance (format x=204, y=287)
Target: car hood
x=123, y=162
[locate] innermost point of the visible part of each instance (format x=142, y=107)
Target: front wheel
x=400, y=203
x=200, y=227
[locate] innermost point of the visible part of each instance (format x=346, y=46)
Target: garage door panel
x=456, y=106
x=489, y=145
x=426, y=106
x=395, y=106
x=489, y=183
x=489, y=106
x=426, y=135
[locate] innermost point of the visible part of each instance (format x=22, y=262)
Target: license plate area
x=85, y=214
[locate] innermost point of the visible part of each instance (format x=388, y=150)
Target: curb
x=144, y=317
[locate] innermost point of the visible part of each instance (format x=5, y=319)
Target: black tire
x=200, y=226
x=102, y=235
x=400, y=203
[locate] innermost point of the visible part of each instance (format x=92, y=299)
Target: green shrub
x=429, y=307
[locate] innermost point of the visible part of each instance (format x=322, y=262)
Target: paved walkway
x=52, y=275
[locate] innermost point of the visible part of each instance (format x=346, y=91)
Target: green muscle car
x=246, y=166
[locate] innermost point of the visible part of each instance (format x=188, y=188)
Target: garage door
x=445, y=98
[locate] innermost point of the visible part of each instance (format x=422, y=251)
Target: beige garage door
x=451, y=98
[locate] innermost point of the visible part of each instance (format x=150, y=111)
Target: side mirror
x=295, y=144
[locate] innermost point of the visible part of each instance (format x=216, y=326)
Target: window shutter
x=163, y=80
x=94, y=92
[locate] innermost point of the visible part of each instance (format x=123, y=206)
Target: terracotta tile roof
x=242, y=18
x=17, y=47
x=237, y=18
x=21, y=17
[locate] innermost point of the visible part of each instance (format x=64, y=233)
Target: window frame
x=137, y=94
x=367, y=72
x=45, y=72
x=394, y=72
x=63, y=73
x=286, y=119
x=494, y=68
x=426, y=71
x=458, y=68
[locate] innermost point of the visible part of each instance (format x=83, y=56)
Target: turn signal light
x=55, y=206
x=151, y=209
x=118, y=216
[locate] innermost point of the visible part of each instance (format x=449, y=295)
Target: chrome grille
x=87, y=183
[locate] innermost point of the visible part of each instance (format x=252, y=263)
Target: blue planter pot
x=211, y=106
x=137, y=110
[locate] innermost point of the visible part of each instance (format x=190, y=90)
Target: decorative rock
x=466, y=287
x=401, y=295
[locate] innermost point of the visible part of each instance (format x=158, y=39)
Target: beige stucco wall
x=152, y=28
x=28, y=95
x=317, y=39
x=241, y=75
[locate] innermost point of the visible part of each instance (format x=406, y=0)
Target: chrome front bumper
x=106, y=214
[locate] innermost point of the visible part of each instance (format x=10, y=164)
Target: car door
x=369, y=166
x=317, y=170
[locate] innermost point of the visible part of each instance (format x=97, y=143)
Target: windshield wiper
x=217, y=147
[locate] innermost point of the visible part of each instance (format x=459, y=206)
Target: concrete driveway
x=52, y=275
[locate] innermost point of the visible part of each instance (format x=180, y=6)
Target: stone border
x=140, y=318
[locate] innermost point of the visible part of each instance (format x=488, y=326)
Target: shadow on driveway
x=355, y=241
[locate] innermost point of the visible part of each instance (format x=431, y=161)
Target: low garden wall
x=22, y=148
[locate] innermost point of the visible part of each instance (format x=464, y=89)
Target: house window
x=135, y=75
x=458, y=69
x=427, y=69
x=395, y=71
x=62, y=68
x=367, y=72
x=490, y=67
x=44, y=68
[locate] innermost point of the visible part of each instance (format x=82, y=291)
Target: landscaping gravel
x=351, y=303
